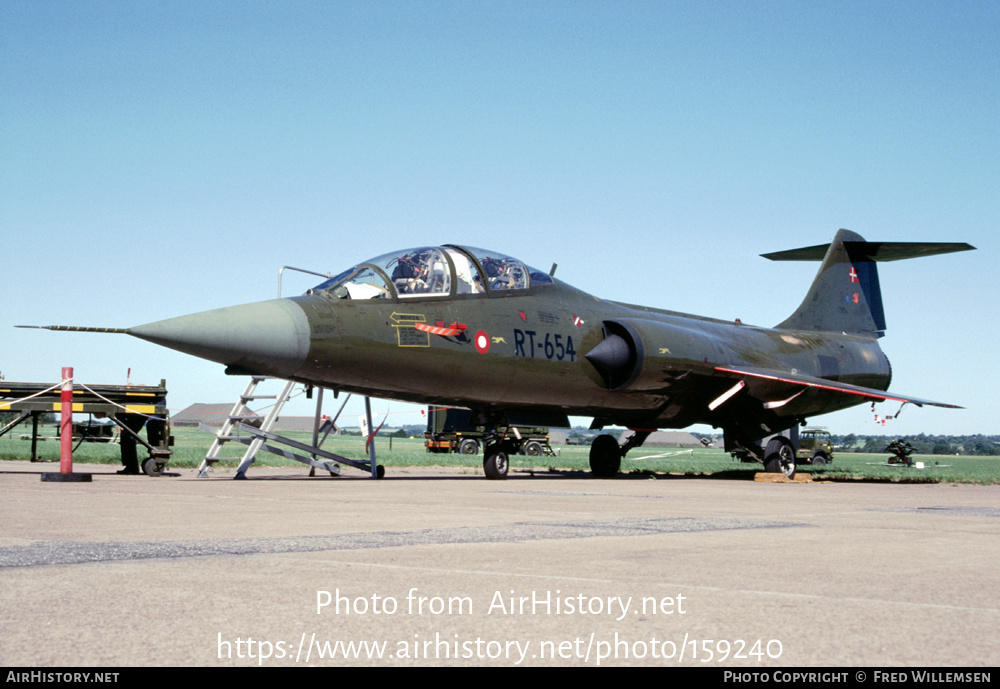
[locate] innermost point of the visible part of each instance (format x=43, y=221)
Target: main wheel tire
x=496, y=463
x=605, y=456
x=779, y=457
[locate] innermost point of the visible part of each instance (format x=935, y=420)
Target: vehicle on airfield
x=815, y=446
x=93, y=430
x=461, y=326
x=453, y=430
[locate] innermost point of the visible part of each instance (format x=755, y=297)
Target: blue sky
x=158, y=159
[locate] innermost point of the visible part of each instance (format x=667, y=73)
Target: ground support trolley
x=130, y=407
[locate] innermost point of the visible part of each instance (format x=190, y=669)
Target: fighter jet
x=460, y=326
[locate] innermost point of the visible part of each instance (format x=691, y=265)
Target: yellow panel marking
x=129, y=408
x=406, y=333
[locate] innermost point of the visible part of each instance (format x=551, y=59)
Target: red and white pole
x=66, y=424
x=66, y=436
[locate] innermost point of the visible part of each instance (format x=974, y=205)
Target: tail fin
x=845, y=295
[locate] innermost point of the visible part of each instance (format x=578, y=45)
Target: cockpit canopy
x=433, y=272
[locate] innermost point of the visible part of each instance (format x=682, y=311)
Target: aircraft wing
x=796, y=379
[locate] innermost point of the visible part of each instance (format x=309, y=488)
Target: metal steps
x=242, y=413
x=257, y=435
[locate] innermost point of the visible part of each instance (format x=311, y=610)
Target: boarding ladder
x=241, y=413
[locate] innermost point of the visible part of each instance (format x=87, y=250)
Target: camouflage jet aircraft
x=461, y=326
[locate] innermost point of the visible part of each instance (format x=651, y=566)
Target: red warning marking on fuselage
x=443, y=331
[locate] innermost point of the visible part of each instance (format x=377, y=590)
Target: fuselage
x=527, y=351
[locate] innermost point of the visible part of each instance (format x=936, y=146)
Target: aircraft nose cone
x=267, y=337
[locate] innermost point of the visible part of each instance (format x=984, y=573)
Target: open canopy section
x=433, y=272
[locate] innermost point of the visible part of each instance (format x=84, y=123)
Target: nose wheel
x=496, y=462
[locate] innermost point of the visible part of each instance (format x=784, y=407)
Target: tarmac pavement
x=436, y=566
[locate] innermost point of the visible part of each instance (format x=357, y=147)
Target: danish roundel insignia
x=482, y=341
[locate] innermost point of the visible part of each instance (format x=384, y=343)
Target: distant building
x=216, y=415
x=295, y=423
x=208, y=414
x=558, y=437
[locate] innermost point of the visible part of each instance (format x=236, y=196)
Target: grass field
x=191, y=445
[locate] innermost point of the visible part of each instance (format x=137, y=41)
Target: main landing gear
x=606, y=454
x=779, y=457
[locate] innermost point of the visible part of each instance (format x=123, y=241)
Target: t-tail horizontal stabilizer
x=845, y=297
